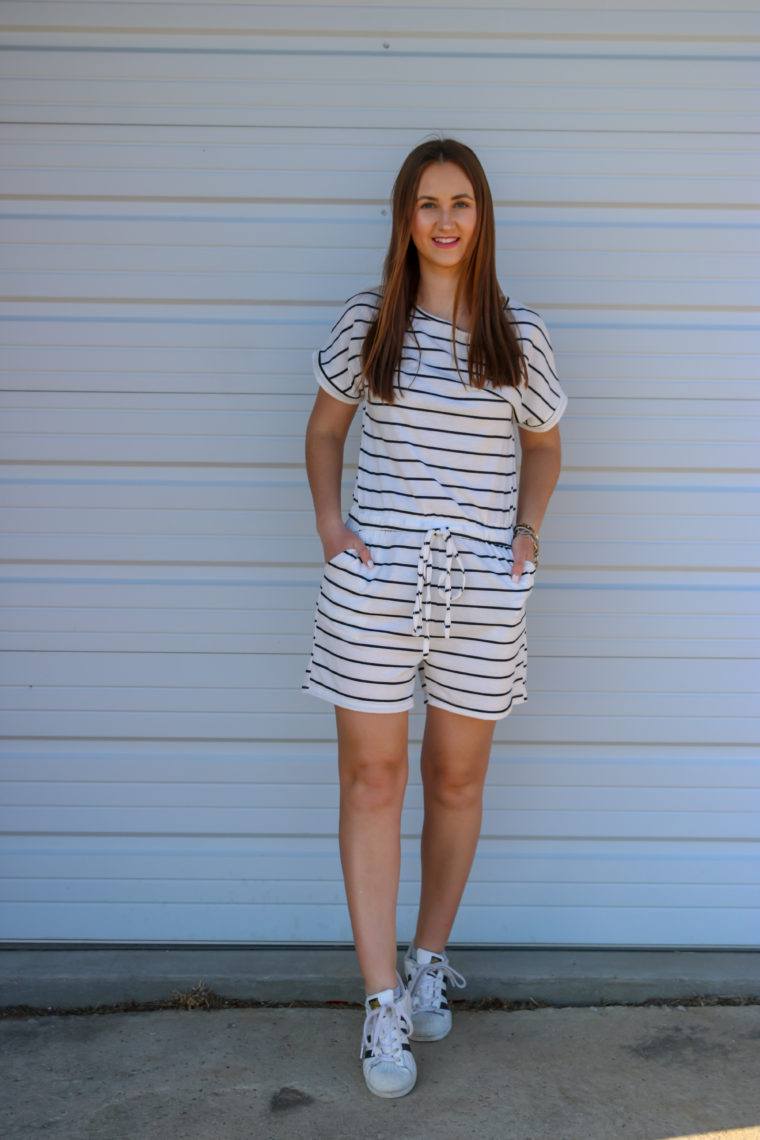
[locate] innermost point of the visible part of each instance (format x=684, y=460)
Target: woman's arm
x=325, y=439
x=539, y=471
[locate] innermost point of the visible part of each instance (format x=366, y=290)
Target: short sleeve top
x=444, y=452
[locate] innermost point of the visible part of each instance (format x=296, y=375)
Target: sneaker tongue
x=384, y=997
x=425, y=957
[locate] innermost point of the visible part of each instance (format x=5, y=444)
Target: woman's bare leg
x=373, y=765
x=454, y=762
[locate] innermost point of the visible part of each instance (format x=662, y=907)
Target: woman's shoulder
x=362, y=307
x=530, y=324
x=522, y=315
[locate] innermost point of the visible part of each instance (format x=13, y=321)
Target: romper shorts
x=436, y=603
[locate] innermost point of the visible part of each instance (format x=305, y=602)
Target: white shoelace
x=426, y=986
x=386, y=1027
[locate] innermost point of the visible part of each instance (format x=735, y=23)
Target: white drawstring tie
x=423, y=605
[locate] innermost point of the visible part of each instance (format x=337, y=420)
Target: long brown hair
x=494, y=354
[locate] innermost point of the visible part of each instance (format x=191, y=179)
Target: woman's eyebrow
x=432, y=198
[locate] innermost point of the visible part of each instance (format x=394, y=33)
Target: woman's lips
x=446, y=241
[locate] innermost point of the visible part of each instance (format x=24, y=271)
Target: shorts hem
x=355, y=704
x=440, y=704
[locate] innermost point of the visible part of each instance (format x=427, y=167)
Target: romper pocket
x=527, y=578
x=506, y=562
x=344, y=558
x=517, y=594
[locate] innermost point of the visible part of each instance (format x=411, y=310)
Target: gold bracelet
x=526, y=528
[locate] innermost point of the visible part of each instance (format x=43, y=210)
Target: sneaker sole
x=430, y=1037
x=390, y=1095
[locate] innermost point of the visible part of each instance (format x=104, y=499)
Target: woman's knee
x=455, y=786
x=373, y=783
x=454, y=762
x=372, y=759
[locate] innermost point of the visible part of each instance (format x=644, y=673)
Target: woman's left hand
x=522, y=552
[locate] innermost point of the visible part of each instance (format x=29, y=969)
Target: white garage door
x=191, y=190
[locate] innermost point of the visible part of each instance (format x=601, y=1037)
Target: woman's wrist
x=334, y=536
x=329, y=525
x=528, y=531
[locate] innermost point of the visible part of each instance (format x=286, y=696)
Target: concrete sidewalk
x=614, y=1073
x=601, y=1072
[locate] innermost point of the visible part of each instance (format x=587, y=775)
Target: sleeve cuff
x=554, y=419
x=327, y=384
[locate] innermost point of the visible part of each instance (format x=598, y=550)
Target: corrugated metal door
x=190, y=192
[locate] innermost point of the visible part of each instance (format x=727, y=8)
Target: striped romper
x=434, y=501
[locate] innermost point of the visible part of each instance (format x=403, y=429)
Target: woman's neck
x=436, y=296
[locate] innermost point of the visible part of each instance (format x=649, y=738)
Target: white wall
x=190, y=192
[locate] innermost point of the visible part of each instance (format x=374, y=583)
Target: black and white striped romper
x=434, y=501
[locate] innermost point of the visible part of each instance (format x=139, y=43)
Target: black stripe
x=439, y=431
x=363, y=628
x=504, y=681
x=358, y=697
x=372, y=664
x=505, y=475
x=475, y=708
x=364, y=644
x=439, y=447
x=357, y=680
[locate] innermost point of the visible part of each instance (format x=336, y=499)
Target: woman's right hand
x=343, y=538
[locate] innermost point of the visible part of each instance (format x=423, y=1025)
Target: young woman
x=431, y=571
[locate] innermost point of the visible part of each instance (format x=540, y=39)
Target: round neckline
x=433, y=317
x=443, y=320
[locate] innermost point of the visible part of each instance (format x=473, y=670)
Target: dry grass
x=201, y=997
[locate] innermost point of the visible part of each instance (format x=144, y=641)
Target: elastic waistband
x=417, y=528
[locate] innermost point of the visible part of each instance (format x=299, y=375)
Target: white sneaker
x=387, y=1061
x=427, y=974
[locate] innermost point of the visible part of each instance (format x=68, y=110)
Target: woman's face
x=444, y=219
